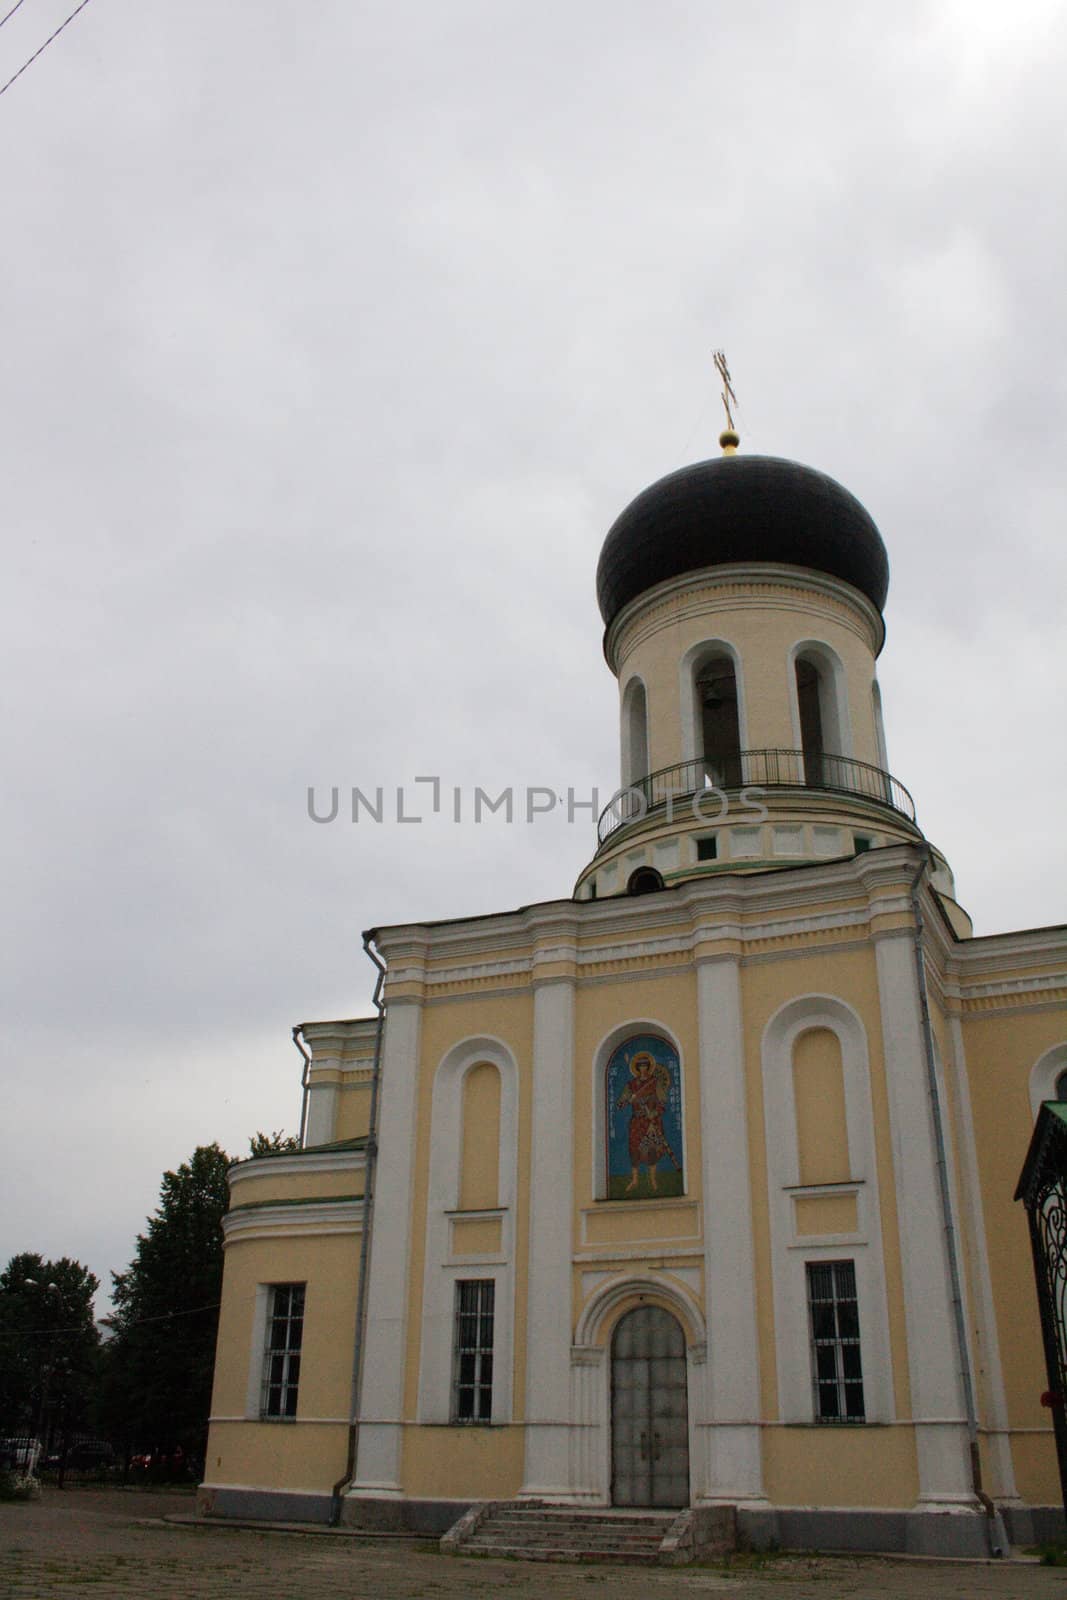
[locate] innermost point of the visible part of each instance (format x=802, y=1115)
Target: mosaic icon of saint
x=646, y=1095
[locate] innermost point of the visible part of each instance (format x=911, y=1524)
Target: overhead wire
x=43, y=47
x=10, y=13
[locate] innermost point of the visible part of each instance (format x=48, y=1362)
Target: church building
x=691, y=1190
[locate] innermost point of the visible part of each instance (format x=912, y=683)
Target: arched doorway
x=649, y=1411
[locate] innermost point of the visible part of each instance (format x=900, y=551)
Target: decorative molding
x=299, y=1164
x=293, y=1221
x=741, y=586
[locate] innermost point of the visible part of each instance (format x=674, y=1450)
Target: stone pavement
x=114, y=1543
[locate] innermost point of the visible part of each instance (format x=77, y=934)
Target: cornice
x=293, y=1220
x=737, y=586
x=298, y=1164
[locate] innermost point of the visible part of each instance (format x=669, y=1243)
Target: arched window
x=820, y=712
x=644, y=880
x=715, y=686
x=643, y=1119
x=879, y=726
x=634, y=734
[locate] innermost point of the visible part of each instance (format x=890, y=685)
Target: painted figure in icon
x=646, y=1094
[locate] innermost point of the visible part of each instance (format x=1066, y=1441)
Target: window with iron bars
x=472, y=1366
x=281, y=1357
x=837, y=1373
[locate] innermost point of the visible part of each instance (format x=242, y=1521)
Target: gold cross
x=727, y=389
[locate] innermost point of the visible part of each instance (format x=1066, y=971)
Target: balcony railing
x=753, y=769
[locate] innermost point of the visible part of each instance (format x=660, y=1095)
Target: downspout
x=996, y=1534
x=370, y=1167
x=298, y=1040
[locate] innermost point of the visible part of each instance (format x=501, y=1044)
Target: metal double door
x=649, y=1411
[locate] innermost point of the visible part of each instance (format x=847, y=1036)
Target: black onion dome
x=740, y=508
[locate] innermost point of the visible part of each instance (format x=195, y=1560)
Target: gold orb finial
x=729, y=439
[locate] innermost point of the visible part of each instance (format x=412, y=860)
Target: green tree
x=49, y=1346
x=159, y=1363
x=273, y=1144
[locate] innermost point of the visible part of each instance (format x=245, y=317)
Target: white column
x=732, y=1465
x=933, y=1359
x=588, y=1474
x=549, y=1315
x=378, y=1457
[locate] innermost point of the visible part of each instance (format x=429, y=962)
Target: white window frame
x=479, y=1350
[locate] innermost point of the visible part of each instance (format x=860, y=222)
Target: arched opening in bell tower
x=820, y=723
x=634, y=734
x=718, y=719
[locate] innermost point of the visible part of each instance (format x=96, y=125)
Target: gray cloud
x=333, y=345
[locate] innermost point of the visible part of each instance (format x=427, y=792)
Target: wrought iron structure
x=756, y=769
x=1043, y=1191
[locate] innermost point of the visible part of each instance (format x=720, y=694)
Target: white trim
x=933, y=1362
x=443, y=1270
x=834, y=712
x=286, y=1220
x=378, y=1458
x=790, y=1253
x=879, y=725
x=763, y=586
x=1043, y=1074
x=290, y=1166
x=691, y=721
x=621, y=1293
x=547, y=1468
x=634, y=764
x=727, y=1405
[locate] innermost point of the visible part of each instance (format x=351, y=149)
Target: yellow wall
x=819, y=1092
x=1001, y=1048
x=300, y=1454
x=840, y=1466
x=296, y=1186
x=479, y=1187
x=353, y=1108
x=463, y=1463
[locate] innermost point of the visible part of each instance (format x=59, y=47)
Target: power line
x=80, y=1327
x=11, y=13
x=43, y=47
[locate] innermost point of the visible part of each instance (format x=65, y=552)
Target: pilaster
x=729, y=1467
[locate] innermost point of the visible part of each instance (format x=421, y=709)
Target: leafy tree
x=273, y=1144
x=49, y=1346
x=159, y=1363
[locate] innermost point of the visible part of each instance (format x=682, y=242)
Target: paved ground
x=83, y=1542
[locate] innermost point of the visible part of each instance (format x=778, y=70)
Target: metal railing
x=755, y=769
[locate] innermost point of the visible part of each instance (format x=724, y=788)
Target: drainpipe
x=370, y=1167
x=996, y=1533
x=298, y=1040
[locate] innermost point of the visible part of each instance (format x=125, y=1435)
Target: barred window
x=281, y=1357
x=472, y=1381
x=837, y=1374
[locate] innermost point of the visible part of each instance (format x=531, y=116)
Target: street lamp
x=47, y=1368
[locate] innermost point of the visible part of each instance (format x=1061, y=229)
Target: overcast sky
x=335, y=338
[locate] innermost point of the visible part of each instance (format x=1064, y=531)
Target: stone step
x=533, y=1552
x=553, y=1525
x=575, y=1539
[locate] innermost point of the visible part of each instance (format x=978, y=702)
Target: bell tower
x=742, y=600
